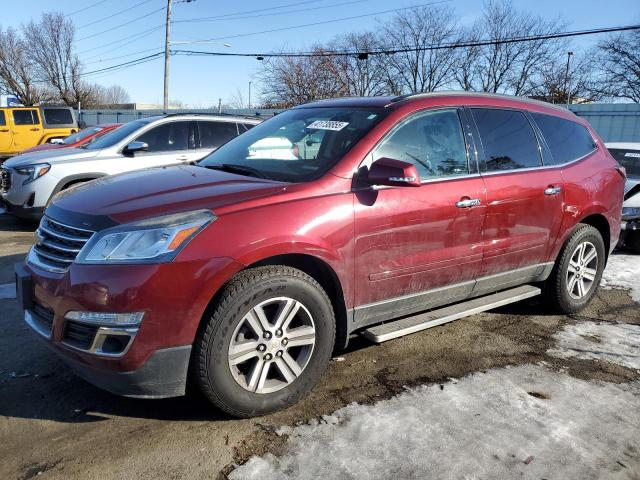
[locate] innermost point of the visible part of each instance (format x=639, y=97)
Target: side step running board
x=433, y=318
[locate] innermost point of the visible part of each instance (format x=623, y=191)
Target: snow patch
x=521, y=422
x=623, y=271
x=8, y=290
x=616, y=343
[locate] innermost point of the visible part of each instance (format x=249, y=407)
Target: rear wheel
x=578, y=270
x=266, y=343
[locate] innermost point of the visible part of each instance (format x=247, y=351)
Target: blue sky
x=200, y=81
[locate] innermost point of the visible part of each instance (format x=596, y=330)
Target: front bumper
x=630, y=225
x=173, y=297
x=21, y=211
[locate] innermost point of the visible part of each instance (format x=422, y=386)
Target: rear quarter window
x=3, y=121
x=567, y=140
x=57, y=116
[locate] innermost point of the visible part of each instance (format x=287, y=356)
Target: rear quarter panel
x=591, y=186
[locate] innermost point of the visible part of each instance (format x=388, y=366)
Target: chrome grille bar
x=58, y=244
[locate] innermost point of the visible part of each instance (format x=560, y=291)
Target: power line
x=385, y=51
x=113, y=15
x=86, y=8
x=233, y=14
x=390, y=50
x=229, y=17
x=292, y=27
x=122, y=24
x=122, y=40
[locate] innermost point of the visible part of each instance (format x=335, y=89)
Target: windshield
x=82, y=134
x=115, y=136
x=297, y=145
x=629, y=159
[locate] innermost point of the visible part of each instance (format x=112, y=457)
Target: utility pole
x=566, y=78
x=167, y=52
x=249, y=102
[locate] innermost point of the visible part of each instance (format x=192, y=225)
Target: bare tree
x=114, y=95
x=507, y=67
x=289, y=81
x=619, y=59
x=237, y=100
x=418, y=69
x=555, y=86
x=17, y=70
x=50, y=43
x=362, y=74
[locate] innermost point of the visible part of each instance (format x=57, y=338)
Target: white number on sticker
x=328, y=125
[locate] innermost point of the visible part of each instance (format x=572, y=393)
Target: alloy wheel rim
x=582, y=270
x=272, y=345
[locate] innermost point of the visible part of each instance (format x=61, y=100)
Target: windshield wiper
x=241, y=169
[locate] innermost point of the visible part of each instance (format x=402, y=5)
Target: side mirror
x=393, y=173
x=136, y=147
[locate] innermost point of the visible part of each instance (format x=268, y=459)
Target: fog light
x=107, y=319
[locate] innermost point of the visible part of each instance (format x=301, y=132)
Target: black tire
x=557, y=285
x=211, y=367
x=632, y=241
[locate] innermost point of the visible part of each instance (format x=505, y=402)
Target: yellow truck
x=26, y=127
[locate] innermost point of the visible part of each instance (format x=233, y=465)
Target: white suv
x=29, y=181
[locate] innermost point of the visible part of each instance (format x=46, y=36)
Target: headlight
x=630, y=212
x=154, y=240
x=33, y=172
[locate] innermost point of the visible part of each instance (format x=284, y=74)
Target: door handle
x=4, y=130
x=35, y=129
x=552, y=190
x=468, y=202
x=182, y=158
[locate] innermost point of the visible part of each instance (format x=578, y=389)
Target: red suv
x=380, y=216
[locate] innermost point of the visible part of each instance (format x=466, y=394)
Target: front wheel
x=578, y=270
x=266, y=343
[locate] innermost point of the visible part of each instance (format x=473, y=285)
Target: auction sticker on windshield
x=328, y=125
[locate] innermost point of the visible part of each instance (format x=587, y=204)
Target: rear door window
x=3, y=120
x=168, y=137
x=567, y=140
x=57, y=116
x=215, y=134
x=508, y=139
x=26, y=117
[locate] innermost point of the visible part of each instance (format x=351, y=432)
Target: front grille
x=5, y=180
x=43, y=316
x=79, y=335
x=58, y=245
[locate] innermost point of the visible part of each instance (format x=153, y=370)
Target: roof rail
x=446, y=93
x=257, y=115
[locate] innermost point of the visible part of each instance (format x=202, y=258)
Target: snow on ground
x=8, y=290
x=623, y=271
x=616, y=343
x=520, y=422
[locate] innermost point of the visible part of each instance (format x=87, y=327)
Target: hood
x=157, y=191
x=50, y=156
x=45, y=146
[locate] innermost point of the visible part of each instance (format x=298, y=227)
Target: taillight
x=622, y=171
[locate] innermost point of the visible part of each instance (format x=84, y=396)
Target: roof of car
x=392, y=101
